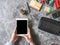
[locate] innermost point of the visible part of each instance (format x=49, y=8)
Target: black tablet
x=21, y=26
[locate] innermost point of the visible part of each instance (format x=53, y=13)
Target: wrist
x=31, y=41
x=11, y=40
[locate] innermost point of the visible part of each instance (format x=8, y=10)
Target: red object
x=43, y=1
x=57, y=3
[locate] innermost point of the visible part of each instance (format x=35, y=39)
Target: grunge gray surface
x=10, y=10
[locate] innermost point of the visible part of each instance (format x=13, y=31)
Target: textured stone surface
x=9, y=11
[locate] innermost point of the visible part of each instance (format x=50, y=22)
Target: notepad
x=36, y=5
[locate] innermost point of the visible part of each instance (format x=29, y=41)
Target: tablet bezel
x=27, y=25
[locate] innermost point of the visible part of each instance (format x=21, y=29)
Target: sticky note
x=36, y=5
x=48, y=9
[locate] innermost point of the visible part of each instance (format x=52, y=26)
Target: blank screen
x=21, y=26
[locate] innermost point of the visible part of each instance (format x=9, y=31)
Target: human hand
x=28, y=37
x=14, y=36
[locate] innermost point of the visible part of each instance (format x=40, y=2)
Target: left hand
x=14, y=36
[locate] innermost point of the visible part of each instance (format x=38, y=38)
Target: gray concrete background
x=9, y=11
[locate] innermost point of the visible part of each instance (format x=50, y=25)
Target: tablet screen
x=21, y=26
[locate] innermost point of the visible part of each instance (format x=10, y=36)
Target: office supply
x=52, y=12
x=49, y=25
x=56, y=15
x=28, y=7
x=57, y=3
x=47, y=9
x=36, y=5
x=23, y=11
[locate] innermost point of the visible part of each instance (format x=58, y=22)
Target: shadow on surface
x=34, y=35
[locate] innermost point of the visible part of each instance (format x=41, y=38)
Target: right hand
x=28, y=37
